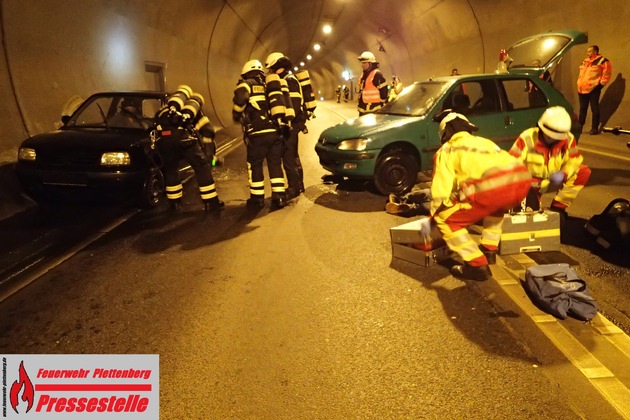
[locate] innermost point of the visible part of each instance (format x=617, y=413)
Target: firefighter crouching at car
x=373, y=87
x=551, y=154
x=260, y=110
x=182, y=129
x=279, y=64
x=473, y=180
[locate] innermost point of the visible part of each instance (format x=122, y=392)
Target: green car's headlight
x=115, y=159
x=26, y=153
x=353, y=144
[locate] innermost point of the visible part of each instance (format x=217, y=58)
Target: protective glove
x=556, y=178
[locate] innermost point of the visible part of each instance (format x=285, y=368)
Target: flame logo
x=28, y=392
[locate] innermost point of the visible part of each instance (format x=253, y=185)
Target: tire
x=153, y=190
x=396, y=172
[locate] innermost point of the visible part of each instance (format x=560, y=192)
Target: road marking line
x=610, y=155
x=609, y=386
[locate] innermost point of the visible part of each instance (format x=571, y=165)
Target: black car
x=103, y=152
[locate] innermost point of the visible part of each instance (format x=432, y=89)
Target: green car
x=393, y=145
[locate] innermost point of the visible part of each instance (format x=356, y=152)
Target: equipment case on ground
x=406, y=240
x=529, y=232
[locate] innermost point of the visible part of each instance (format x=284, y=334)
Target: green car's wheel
x=396, y=172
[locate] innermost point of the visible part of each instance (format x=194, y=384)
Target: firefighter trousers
x=492, y=197
x=172, y=152
x=291, y=162
x=267, y=147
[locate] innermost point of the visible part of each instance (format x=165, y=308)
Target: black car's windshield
x=415, y=100
x=116, y=111
x=537, y=52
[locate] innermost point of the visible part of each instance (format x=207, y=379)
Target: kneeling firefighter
x=183, y=132
x=260, y=112
x=473, y=179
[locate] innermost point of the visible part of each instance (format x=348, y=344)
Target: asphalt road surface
x=303, y=313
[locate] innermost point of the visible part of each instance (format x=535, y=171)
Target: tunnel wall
x=53, y=50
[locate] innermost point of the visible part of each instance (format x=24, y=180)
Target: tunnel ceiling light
x=296, y=68
x=317, y=47
x=309, y=57
x=302, y=63
x=327, y=29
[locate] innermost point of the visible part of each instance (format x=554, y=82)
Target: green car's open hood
x=538, y=53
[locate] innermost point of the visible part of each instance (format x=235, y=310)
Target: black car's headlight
x=353, y=144
x=26, y=153
x=115, y=159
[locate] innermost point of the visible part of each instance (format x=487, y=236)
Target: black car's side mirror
x=65, y=119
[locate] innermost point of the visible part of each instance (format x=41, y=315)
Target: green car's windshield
x=415, y=100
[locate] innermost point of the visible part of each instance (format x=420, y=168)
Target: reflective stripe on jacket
x=593, y=72
x=251, y=108
x=459, y=161
x=542, y=160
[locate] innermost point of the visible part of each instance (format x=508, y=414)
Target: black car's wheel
x=396, y=172
x=153, y=190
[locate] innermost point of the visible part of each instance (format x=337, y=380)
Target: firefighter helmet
x=273, y=59
x=451, y=117
x=555, y=122
x=367, y=57
x=251, y=65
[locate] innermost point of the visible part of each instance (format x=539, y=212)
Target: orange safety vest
x=370, y=93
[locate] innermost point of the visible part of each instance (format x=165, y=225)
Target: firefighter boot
x=256, y=202
x=278, y=201
x=469, y=272
x=175, y=206
x=213, y=204
x=491, y=256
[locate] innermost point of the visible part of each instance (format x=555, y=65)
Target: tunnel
x=58, y=50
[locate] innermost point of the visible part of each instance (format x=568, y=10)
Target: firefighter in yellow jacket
x=551, y=154
x=252, y=108
x=473, y=180
x=373, y=87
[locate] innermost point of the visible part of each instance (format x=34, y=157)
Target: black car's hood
x=96, y=139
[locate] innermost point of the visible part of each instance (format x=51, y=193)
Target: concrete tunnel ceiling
x=73, y=47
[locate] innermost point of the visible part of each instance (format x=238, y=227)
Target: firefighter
x=338, y=93
x=473, y=180
x=181, y=131
x=394, y=88
x=261, y=133
x=373, y=87
x=279, y=64
x=551, y=154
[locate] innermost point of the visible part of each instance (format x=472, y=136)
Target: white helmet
x=251, y=65
x=555, y=122
x=367, y=57
x=450, y=117
x=273, y=59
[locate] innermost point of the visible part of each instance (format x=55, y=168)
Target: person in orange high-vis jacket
x=473, y=180
x=373, y=87
x=595, y=72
